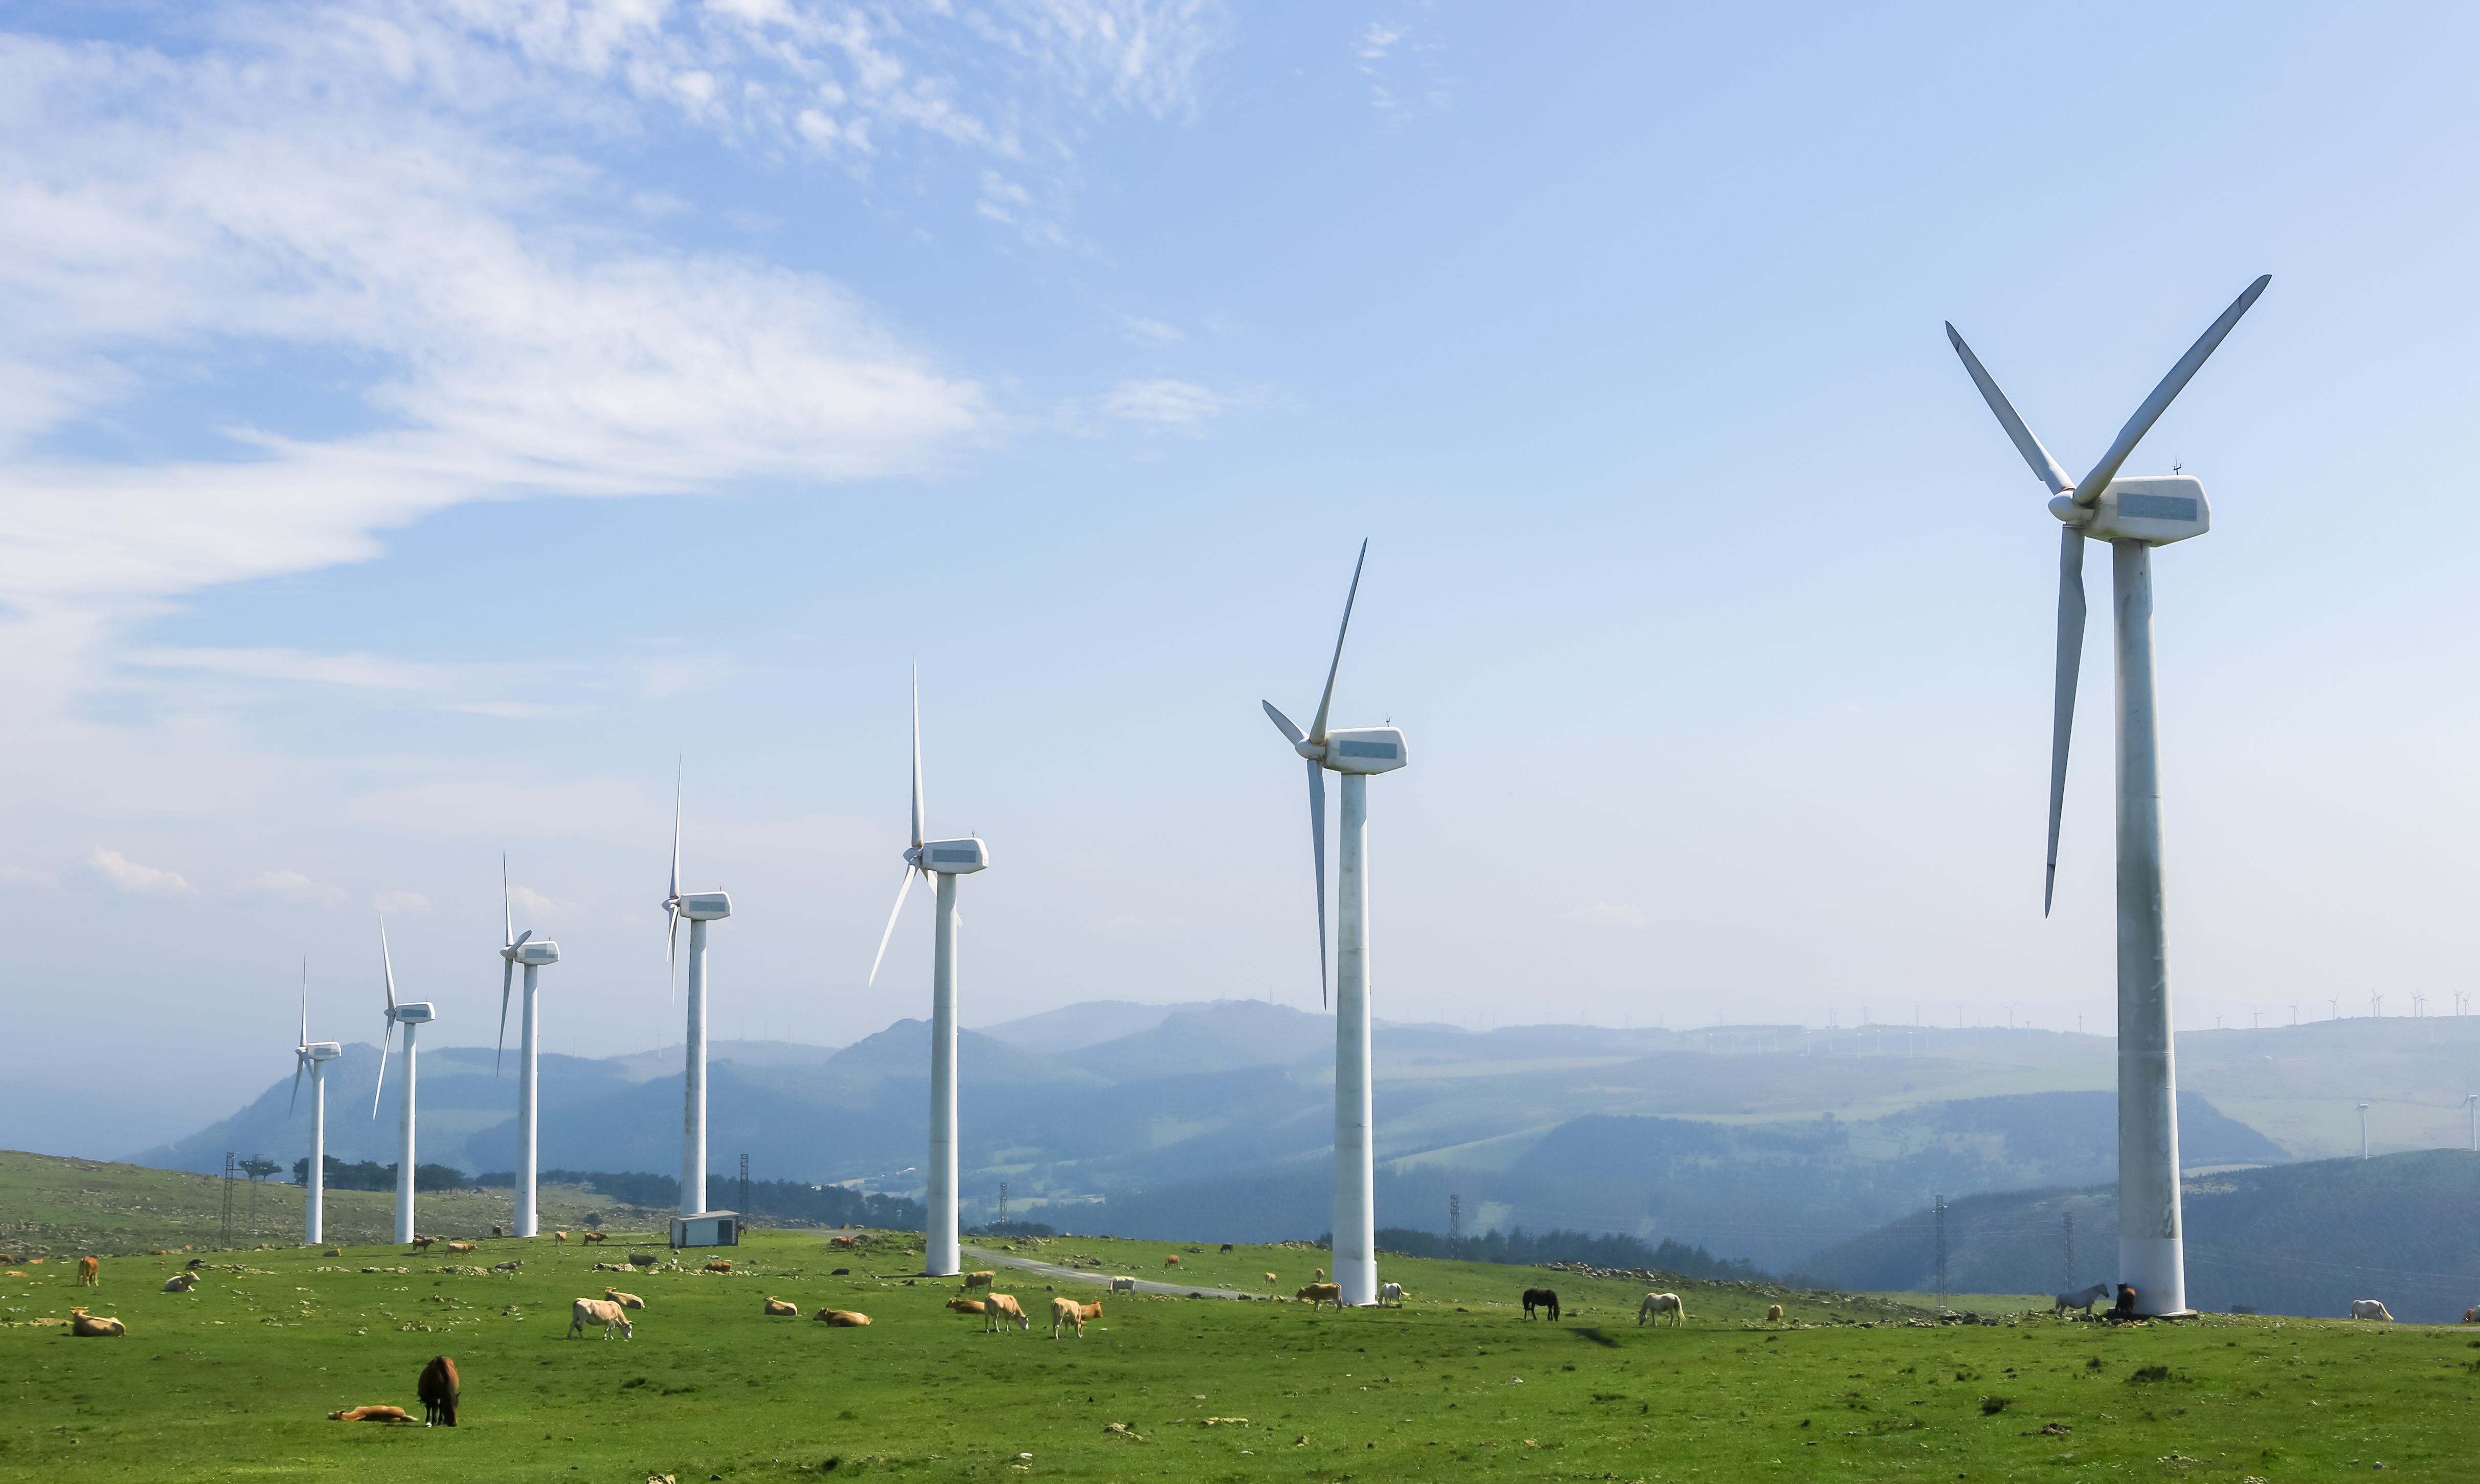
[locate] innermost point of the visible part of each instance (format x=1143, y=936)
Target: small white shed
x=707, y=1229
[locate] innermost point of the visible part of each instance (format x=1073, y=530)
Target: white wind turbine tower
x=944, y=861
x=700, y=908
x=1355, y=754
x=2133, y=515
x=515, y=951
x=408, y=1016
x=312, y=1057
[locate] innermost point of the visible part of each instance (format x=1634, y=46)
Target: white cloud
x=1165, y=402
x=288, y=883
x=128, y=875
x=527, y=902
x=1153, y=332
x=1608, y=914
x=1406, y=76
x=401, y=903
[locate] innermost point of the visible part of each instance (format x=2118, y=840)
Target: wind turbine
x=2133, y=515
x=312, y=1057
x=944, y=861
x=700, y=908
x=515, y=951
x=1355, y=754
x=408, y=1016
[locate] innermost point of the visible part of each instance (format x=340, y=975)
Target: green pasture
x=234, y=1381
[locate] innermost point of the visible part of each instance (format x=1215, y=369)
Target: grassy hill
x=236, y=1379
x=2300, y=1238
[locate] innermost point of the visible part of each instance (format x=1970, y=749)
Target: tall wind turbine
x=1355, y=754
x=2133, y=515
x=515, y=951
x=408, y=1016
x=312, y=1057
x=699, y=908
x=943, y=861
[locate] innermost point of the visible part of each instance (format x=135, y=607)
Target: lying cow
x=1066, y=1310
x=389, y=1415
x=180, y=1282
x=981, y=1280
x=624, y=1300
x=1664, y=1304
x=718, y=1265
x=603, y=1312
x=842, y=1319
x=968, y=1306
x=438, y=1389
x=2369, y=1308
x=84, y=1324
x=1322, y=1293
x=776, y=1307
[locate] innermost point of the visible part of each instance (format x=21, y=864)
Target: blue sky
x=421, y=424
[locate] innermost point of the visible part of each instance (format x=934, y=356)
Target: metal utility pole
x=744, y=1190
x=1941, y=1253
x=230, y=1159
x=2067, y=1253
x=2363, y=1130
x=1455, y=1222
x=1003, y=1203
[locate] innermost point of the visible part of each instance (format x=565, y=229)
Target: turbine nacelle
x=2156, y=510
x=1365, y=749
x=533, y=954
x=323, y=1050
x=415, y=1014
x=952, y=858
x=706, y=906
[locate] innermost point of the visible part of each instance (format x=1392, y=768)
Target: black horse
x=438, y=1389
x=1540, y=1298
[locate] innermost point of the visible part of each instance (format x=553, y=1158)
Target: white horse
x=1661, y=1303
x=2081, y=1298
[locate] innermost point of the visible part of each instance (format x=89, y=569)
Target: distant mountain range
x=1767, y=1142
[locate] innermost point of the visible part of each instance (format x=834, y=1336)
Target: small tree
x=594, y=1220
x=257, y=1168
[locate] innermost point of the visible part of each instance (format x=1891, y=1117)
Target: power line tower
x=1941, y=1253
x=744, y=1189
x=1455, y=1226
x=2067, y=1252
x=231, y=1168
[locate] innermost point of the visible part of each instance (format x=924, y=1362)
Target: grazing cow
x=1322, y=1293
x=981, y=1280
x=719, y=1265
x=1390, y=1292
x=2126, y=1306
x=1540, y=1298
x=624, y=1300
x=1226, y=1246
x=843, y=1319
x=2369, y=1308
x=776, y=1306
x=1124, y=1285
x=598, y=1237
x=1657, y=1304
x=1170, y=1260
x=2471, y=1316
x=333, y=1252
x=1773, y=1313
x=1066, y=1310
x=560, y=1237
x=422, y=1243
x=509, y=1266
x=460, y=1246
x=1318, y=1273
x=968, y=1306
x=81, y=1323
x=371, y=1415
x=89, y=1273
x=603, y=1312
x=180, y=1282
x=2080, y=1298
x=844, y=1243
x=1273, y=1282
x=1002, y=1309
x=438, y=1390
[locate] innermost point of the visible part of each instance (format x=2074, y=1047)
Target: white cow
x=603, y=1312
x=1390, y=1293
x=2369, y=1308
x=1660, y=1304
x=1124, y=1285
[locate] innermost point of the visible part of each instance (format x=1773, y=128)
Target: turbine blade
x=507, y=973
x=507, y=923
x=521, y=937
x=889, y=936
x=1317, y=728
x=2159, y=402
x=289, y=1108
x=387, y=968
x=1282, y=724
x=918, y=808
x=671, y=950
x=380, y=1089
x=677, y=770
x=305, y=999
x=2062, y=714
x=2044, y=468
x=1317, y=858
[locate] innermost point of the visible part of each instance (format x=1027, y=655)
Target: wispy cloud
x=122, y=874
x=1181, y=406
x=1608, y=914
x=401, y=903
x=1405, y=69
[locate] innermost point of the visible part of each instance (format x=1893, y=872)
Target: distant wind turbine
x=515, y=951
x=408, y=1016
x=1355, y=754
x=2133, y=515
x=943, y=861
x=312, y=1057
x=699, y=908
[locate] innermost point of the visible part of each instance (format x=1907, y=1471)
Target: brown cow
x=845, y=1243
x=624, y=1300
x=598, y=1237
x=1002, y=1309
x=1322, y=1293
x=968, y=1306
x=89, y=1273
x=371, y=1415
x=776, y=1306
x=718, y=1265
x=1773, y=1313
x=560, y=1237
x=1066, y=1310
x=843, y=1319
x=438, y=1389
x=422, y=1243
x=981, y=1280
x=1270, y=1283
x=460, y=1246
x=1170, y=1260
x=79, y=1323
x=333, y=1252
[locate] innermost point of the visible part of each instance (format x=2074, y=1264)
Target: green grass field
x=234, y=1381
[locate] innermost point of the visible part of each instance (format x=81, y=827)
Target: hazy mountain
x=1073, y=1027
